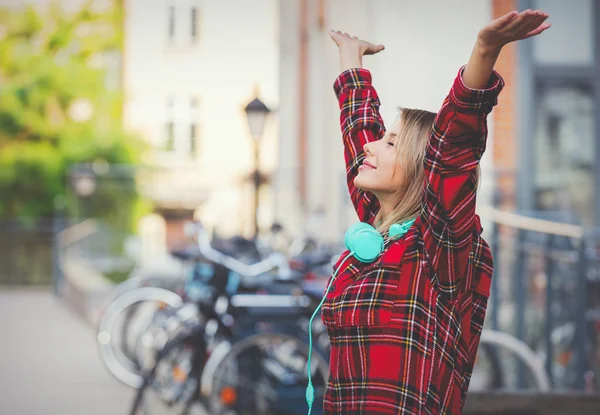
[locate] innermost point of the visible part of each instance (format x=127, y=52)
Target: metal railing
x=26, y=252
x=543, y=294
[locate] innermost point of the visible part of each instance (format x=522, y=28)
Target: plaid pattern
x=404, y=330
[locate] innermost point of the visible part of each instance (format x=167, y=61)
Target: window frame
x=195, y=25
x=529, y=76
x=171, y=23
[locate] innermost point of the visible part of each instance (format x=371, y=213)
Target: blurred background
x=123, y=121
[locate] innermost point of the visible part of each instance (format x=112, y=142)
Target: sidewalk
x=49, y=361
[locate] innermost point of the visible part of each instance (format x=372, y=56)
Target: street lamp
x=256, y=113
x=84, y=183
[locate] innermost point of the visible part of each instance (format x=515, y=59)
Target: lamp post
x=85, y=184
x=256, y=113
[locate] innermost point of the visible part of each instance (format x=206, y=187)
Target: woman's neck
x=386, y=206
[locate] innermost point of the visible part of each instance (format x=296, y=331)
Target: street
x=49, y=363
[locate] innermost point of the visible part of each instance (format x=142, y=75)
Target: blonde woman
x=404, y=324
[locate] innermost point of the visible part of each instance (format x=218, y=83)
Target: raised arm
x=359, y=115
x=456, y=145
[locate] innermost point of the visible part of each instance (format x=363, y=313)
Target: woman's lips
x=366, y=165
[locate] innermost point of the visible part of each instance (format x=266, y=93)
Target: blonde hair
x=411, y=145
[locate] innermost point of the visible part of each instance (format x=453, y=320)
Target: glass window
x=171, y=22
x=194, y=139
x=565, y=150
x=570, y=40
x=169, y=136
x=194, y=128
x=195, y=16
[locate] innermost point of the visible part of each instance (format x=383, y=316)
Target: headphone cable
x=310, y=390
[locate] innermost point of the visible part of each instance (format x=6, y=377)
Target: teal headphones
x=366, y=244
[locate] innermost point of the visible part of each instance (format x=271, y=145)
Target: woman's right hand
x=346, y=42
x=511, y=27
x=352, y=49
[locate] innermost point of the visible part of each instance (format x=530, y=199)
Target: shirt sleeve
x=361, y=123
x=455, y=147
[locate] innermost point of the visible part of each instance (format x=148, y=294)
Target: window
x=169, y=142
x=194, y=139
x=564, y=150
x=570, y=41
x=560, y=73
x=195, y=16
x=171, y=23
x=194, y=129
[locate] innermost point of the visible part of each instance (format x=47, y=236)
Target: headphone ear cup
x=352, y=230
x=366, y=243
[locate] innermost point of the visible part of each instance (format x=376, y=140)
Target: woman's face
x=378, y=173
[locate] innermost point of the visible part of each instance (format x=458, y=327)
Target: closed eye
x=392, y=136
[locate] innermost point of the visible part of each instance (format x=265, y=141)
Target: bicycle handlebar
x=275, y=261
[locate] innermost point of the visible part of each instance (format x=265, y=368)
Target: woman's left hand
x=511, y=27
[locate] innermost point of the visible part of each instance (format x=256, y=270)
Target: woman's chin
x=359, y=183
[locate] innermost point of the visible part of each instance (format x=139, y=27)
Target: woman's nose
x=368, y=149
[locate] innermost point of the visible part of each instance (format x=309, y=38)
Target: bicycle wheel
x=487, y=372
x=148, y=302
x=266, y=374
x=171, y=387
x=174, y=284
x=516, y=354
x=563, y=370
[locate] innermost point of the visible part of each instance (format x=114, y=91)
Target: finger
x=521, y=17
x=504, y=20
x=335, y=36
x=531, y=24
x=536, y=16
x=516, y=24
x=537, y=31
x=373, y=49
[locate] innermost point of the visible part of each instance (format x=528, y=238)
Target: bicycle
x=241, y=338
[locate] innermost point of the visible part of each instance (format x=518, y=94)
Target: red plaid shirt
x=404, y=330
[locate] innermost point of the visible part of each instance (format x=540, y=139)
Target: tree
x=60, y=105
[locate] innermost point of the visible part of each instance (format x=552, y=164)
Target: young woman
x=404, y=327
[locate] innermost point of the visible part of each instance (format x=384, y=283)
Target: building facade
x=542, y=151
x=557, y=87
x=426, y=44
x=189, y=67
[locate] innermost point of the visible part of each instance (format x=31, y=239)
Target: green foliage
x=58, y=107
